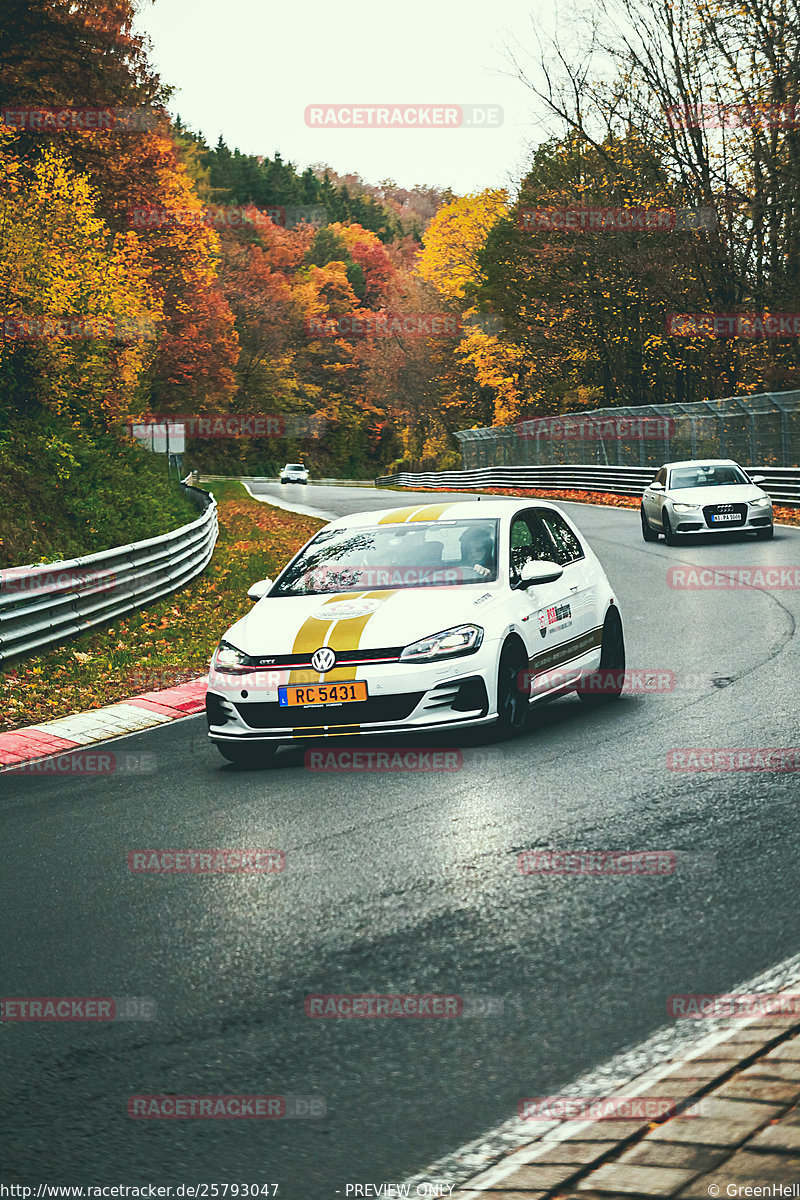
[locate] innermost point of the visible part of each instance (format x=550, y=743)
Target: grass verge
x=172, y=640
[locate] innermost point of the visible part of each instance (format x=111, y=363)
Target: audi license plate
x=322, y=693
x=726, y=517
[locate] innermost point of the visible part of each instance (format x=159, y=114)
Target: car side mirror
x=656, y=487
x=259, y=589
x=536, y=571
x=757, y=479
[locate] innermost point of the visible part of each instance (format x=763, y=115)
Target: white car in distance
x=294, y=473
x=702, y=496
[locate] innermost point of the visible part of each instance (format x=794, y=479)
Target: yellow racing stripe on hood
x=345, y=635
x=432, y=512
x=399, y=515
x=418, y=512
x=311, y=635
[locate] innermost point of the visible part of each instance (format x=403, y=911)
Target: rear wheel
x=764, y=534
x=512, y=695
x=252, y=755
x=648, y=533
x=670, y=537
x=607, y=682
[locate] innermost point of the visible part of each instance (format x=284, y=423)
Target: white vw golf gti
x=421, y=618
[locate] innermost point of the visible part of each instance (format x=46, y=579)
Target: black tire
x=648, y=533
x=608, y=681
x=512, y=698
x=764, y=534
x=670, y=537
x=252, y=755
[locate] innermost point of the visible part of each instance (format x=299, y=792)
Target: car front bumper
x=402, y=697
x=748, y=520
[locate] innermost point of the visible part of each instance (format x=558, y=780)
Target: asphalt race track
x=403, y=883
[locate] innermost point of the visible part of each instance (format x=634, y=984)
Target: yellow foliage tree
x=454, y=238
x=59, y=260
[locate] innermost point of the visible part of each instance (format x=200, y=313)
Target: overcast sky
x=247, y=69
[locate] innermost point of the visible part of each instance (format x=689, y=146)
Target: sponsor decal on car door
x=544, y=611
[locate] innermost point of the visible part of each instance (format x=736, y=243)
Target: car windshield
x=294, y=467
x=691, y=477
x=419, y=554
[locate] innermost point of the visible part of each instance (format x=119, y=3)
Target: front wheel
x=607, y=682
x=648, y=533
x=670, y=537
x=512, y=692
x=248, y=755
x=764, y=534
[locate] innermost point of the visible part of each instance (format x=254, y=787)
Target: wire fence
x=759, y=430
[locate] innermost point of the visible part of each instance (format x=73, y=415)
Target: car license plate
x=321, y=693
x=726, y=517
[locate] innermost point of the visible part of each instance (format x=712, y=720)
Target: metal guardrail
x=322, y=482
x=782, y=483
x=42, y=604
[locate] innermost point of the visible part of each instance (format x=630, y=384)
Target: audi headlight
x=681, y=507
x=450, y=643
x=761, y=502
x=228, y=658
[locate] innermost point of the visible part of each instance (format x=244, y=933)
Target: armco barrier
x=47, y=603
x=782, y=483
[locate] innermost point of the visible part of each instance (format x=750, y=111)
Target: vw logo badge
x=323, y=659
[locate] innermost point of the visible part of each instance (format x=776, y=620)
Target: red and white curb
x=36, y=742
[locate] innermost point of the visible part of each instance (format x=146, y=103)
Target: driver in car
x=477, y=551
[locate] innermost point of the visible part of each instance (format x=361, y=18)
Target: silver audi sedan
x=705, y=495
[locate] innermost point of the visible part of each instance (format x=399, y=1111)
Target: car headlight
x=450, y=643
x=681, y=507
x=761, y=502
x=228, y=658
